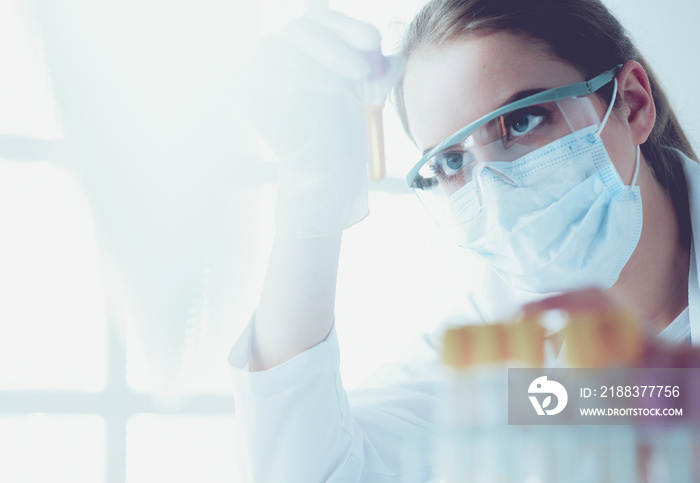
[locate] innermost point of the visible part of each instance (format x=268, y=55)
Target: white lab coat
x=300, y=425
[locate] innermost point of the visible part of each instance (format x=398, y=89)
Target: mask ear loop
x=610, y=108
x=605, y=120
x=636, y=169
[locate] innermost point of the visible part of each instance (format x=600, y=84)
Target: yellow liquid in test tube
x=374, y=104
x=375, y=127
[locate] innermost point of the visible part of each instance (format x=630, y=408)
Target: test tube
x=374, y=104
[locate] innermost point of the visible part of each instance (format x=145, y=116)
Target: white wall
x=667, y=35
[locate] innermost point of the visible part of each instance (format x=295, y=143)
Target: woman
x=584, y=187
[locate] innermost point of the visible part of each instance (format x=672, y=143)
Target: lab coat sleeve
x=299, y=425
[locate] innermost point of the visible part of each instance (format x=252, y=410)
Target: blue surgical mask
x=559, y=218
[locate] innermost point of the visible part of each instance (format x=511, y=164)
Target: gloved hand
x=305, y=90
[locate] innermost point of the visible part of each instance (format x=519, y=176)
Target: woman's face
x=447, y=87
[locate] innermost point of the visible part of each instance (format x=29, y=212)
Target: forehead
x=448, y=86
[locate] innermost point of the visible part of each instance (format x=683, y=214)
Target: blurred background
x=136, y=218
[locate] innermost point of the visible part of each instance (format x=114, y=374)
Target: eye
x=523, y=121
x=452, y=162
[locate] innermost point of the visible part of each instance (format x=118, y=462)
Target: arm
x=297, y=421
x=296, y=306
x=298, y=94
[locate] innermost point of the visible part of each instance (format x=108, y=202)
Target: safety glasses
x=504, y=135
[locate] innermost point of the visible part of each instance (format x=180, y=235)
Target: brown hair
x=583, y=33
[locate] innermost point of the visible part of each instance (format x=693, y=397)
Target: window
x=79, y=401
x=83, y=395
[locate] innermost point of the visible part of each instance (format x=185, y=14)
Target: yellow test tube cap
x=478, y=345
x=605, y=339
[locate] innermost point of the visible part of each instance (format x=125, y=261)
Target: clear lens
x=455, y=171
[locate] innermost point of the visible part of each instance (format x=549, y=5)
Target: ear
x=635, y=92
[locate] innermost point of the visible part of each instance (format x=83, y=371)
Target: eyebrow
x=515, y=97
